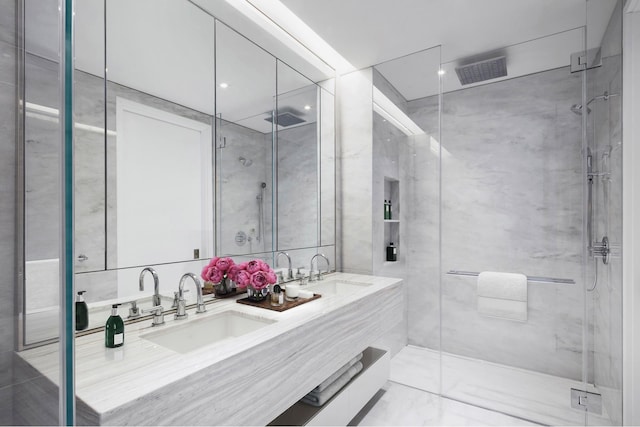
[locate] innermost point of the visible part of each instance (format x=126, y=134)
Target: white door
x=163, y=186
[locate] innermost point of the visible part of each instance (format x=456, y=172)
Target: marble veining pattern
x=511, y=201
x=159, y=381
x=8, y=378
x=400, y=405
x=356, y=171
x=604, y=136
x=298, y=187
x=523, y=393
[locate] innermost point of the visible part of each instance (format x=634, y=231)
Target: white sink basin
x=337, y=287
x=194, y=334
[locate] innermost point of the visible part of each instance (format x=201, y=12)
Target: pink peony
x=259, y=280
x=243, y=278
x=254, y=266
x=233, y=271
x=215, y=275
x=204, y=273
x=271, y=276
x=224, y=264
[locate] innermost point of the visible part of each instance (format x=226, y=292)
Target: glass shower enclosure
x=511, y=216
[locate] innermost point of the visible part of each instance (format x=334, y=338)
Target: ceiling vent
x=482, y=70
x=286, y=117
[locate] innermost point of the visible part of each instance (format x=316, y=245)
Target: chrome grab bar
x=537, y=279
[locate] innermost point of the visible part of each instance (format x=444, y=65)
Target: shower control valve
x=602, y=250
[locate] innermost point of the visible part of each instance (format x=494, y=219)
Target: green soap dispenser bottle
x=82, y=312
x=114, y=329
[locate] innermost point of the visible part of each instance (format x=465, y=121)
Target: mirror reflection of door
x=163, y=190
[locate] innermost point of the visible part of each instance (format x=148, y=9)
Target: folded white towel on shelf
x=502, y=295
x=326, y=383
x=320, y=398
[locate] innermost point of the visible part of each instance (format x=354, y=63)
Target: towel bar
x=536, y=279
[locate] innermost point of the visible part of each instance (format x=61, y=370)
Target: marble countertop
x=108, y=379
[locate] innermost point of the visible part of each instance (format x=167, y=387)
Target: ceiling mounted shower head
x=286, y=117
x=480, y=71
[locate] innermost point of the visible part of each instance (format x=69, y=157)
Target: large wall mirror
x=191, y=141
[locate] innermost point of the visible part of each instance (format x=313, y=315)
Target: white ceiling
x=535, y=35
x=165, y=47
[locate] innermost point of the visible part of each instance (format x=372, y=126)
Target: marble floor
x=401, y=405
x=526, y=395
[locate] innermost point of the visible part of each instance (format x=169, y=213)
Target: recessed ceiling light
x=441, y=72
x=307, y=107
x=224, y=85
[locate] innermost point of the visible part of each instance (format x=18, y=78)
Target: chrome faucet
x=156, y=284
x=158, y=315
x=181, y=311
x=290, y=271
x=318, y=277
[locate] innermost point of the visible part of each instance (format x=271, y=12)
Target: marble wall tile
x=297, y=187
x=355, y=118
x=8, y=21
x=511, y=201
x=7, y=68
x=327, y=169
x=239, y=187
x=604, y=137
x=7, y=207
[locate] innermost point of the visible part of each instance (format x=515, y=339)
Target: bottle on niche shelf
x=392, y=252
x=386, y=209
x=114, y=329
x=390, y=216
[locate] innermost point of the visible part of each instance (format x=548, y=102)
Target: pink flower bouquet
x=217, y=272
x=256, y=274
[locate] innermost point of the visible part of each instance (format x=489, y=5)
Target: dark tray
x=266, y=303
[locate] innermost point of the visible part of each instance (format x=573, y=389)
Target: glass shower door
x=512, y=288
x=603, y=120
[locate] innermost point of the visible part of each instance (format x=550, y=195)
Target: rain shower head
x=480, y=71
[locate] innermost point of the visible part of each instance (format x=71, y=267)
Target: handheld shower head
x=578, y=108
x=263, y=185
x=245, y=162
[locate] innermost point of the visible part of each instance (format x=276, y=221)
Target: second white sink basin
x=337, y=287
x=194, y=334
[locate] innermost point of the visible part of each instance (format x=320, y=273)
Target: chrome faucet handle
x=181, y=309
x=312, y=276
x=175, y=300
x=158, y=315
x=134, y=310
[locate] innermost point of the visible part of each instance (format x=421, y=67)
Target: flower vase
x=257, y=294
x=208, y=288
x=225, y=287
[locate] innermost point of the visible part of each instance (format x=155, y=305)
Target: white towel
x=320, y=398
x=337, y=374
x=502, y=295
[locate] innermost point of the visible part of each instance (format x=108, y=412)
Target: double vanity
x=234, y=364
